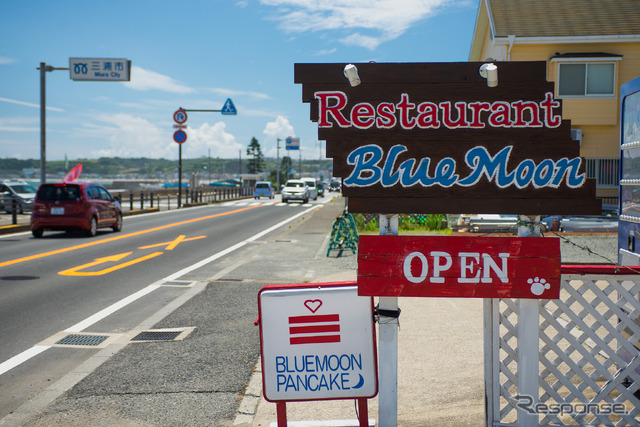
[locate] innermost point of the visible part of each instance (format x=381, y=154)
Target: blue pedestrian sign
x=229, y=109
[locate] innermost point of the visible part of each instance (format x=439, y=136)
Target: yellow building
x=591, y=47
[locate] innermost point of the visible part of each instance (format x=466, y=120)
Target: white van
x=313, y=189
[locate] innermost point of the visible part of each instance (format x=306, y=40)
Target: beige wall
x=598, y=118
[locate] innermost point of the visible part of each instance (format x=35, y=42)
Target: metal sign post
x=78, y=67
x=388, y=342
x=180, y=135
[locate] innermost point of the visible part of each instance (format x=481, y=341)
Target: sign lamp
x=351, y=73
x=489, y=72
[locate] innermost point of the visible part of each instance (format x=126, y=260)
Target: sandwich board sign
x=317, y=342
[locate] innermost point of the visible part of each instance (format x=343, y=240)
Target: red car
x=74, y=206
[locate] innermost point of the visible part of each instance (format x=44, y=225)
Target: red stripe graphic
x=312, y=329
x=318, y=339
x=307, y=330
x=315, y=319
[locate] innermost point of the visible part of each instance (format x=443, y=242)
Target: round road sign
x=179, y=136
x=180, y=116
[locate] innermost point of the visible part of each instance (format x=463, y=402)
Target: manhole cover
x=19, y=277
x=82, y=340
x=156, y=336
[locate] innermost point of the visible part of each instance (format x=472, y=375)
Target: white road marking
x=78, y=327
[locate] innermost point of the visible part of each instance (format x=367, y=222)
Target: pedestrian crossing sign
x=229, y=109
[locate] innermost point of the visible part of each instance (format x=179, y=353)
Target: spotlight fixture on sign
x=489, y=72
x=351, y=73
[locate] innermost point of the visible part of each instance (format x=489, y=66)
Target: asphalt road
x=66, y=285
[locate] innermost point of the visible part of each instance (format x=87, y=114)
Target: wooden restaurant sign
x=434, y=138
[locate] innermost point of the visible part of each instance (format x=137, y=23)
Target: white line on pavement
x=78, y=327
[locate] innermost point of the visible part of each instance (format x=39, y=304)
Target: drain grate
x=89, y=340
x=156, y=336
x=177, y=283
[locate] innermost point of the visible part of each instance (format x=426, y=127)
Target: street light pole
x=43, y=118
x=43, y=125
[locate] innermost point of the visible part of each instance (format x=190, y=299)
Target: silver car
x=313, y=189
x=22, y=192
x=295, y=189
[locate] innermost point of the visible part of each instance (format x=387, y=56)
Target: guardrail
x=163, y=199
x=167, y=199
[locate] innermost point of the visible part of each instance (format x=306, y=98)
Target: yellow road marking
x=118, y=237
x=75, y=270
x=171, y=245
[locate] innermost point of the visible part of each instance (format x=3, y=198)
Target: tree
x=286, y=171
x=255, y=156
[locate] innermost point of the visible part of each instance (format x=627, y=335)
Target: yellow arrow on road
x=75, y=271
x=171, y=245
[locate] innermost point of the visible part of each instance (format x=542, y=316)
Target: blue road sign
x=292, y=143
x=229, y=109
x=180, y=136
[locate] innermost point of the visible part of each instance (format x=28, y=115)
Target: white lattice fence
x=589, y=354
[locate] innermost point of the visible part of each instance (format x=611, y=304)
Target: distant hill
x=109, y=167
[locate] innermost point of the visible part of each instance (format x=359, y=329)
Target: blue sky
x=195, y=54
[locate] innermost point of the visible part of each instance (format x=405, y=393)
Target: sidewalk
x=440, y=361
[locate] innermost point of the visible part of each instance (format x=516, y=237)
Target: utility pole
x=278, y=163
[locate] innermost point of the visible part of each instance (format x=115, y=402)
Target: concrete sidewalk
x=440, y=367
x=440, y=370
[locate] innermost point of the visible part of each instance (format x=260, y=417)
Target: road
x=66, y=286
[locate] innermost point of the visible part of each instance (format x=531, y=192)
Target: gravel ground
x=589, y=249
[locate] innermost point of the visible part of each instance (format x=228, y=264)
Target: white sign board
x=292, y=143
x=317, y=343
x=100, y=69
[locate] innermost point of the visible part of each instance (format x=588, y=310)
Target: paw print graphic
x=538, y=285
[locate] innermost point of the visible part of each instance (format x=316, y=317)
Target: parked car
x=295, y=189
x=74, y=206
x=263, y=188
x=313, y=190
x=21, y=191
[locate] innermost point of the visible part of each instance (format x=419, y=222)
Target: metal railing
x=604, y=170
x=168, y=198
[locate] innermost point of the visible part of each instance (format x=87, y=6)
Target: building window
x=586, y=79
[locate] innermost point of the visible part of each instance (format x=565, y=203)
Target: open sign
x=459, y=266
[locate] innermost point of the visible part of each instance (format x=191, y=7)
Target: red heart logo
x=313, y=304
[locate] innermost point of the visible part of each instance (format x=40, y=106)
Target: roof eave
x=622, y=38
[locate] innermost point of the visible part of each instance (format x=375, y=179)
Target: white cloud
x=279, y=128
x=20, y=124
x=4, y=60
x=129, y=136
x=29, y=104
x=142, y=79
x=211, y=137
x=384, y=19
x=231, y=92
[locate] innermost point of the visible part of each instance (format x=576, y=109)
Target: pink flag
x=73, y=173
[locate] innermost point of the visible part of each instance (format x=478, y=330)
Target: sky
x=195, y=54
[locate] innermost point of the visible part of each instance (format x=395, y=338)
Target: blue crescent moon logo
x=360, y=382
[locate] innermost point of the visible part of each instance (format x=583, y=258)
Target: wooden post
x=528, y=338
